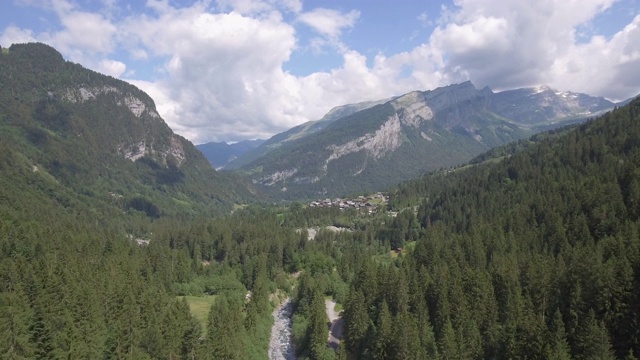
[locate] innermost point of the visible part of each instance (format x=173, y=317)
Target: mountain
x=220, y=154
x=534, y=248
x=543, y=106
x=78, y=136
x=300, y=131
x=401, y=138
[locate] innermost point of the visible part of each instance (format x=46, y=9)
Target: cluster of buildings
x=370, y=202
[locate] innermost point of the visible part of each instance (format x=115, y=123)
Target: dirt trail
x=335, y=332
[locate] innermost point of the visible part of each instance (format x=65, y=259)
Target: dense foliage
x=536, y=256
x=74, y=287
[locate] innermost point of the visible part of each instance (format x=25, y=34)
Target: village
x=370, y=203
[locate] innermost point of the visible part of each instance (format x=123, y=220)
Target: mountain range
x=95, y=138
x=373, y=145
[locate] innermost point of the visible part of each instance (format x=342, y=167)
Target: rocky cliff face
x=298, y=132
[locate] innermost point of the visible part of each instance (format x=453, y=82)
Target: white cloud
x=112, y=67
x=329, y=22
x=602, y=67
x=220, y=70
x=515, y=43
x=87, y=31
x=252, y=7
x=424, y=19
x=224, y=71
x=15, y=35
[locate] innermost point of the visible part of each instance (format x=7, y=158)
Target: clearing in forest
x=200, y=306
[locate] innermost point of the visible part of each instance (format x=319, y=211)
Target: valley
x=432, y=225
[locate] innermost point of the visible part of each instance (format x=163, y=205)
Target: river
x=281, y=344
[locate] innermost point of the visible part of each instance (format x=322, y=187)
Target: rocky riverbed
x=281, y=345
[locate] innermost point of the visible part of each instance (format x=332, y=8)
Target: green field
x=200, y=306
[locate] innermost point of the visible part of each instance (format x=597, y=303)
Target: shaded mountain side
x=94, y=135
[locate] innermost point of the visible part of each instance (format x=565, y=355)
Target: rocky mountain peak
x=542, y=103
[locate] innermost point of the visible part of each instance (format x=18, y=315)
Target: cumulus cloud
x=329, y=22
x=112, y=67
x=16, y=35
x=515, y=43
x=82, y=31
x=223, y=69
x=603, y=67
x=218, y=67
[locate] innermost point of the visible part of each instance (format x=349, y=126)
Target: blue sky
x=229, y=70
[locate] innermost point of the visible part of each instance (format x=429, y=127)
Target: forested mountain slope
x=82, y=282
x=536, y=256
x=80, y=132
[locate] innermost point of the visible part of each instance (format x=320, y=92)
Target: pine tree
x=593, y=340
x=15, y=316
x=558, y=347
x=447, y=342
x=318, y=334
x=383, y=333
x=356, y=322
x=406, y=339
x=225, y=330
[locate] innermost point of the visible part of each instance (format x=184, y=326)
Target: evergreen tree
x=224, y=330
x=356, y=322
x=593, y=340
x=383, y=333
x=15, y=317
x=558, y=347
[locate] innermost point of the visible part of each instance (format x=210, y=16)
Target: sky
x=232, y=70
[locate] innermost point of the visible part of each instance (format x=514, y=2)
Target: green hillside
x=536, y=256
x=77, y=132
